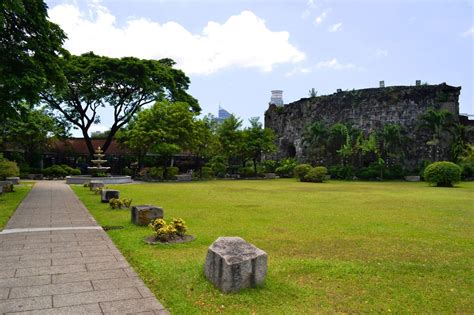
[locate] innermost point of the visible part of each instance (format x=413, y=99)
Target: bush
x=342, y=171
x=467, y=169
x=127, y=171
x=246, y=171
x=166, y=232
x=206, y=172
x=443, y=174
x=219, y=166
x=286, y=168
x=156, y=172
x=8, y=168
x=301, y=170
x=171, y=172
x=55, y=171
x=117, y=203
x=316, y=174
x=269, y=166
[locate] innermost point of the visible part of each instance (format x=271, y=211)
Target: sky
x=236, y=51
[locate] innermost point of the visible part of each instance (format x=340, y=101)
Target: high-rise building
x=222, y=114
x=277, y=98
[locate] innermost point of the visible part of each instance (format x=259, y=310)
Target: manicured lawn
x=352, y=247
x=10, y=201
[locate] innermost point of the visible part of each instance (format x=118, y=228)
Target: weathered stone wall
x=366, y=109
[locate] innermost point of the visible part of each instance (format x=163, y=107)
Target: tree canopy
x=123, y=84
x=30, y=46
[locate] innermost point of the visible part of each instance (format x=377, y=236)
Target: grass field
x=10, y=201
x=340, y=246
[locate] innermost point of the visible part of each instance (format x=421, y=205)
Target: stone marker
x=7, y=185
x=184, y=177
x=14, y=180
x=93, y=184
x=412, y=178
x=270, y=176
x=233, y=264
x=145, y=214
x=108, y=194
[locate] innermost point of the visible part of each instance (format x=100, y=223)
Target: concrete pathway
x=54, y=259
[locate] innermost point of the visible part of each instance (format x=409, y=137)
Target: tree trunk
x=88, y=141
x=255, y=167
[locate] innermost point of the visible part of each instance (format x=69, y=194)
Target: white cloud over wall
x=336, y=27
x=242, y=41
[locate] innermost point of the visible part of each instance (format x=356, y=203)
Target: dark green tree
x=258, y=141
x=32, y=132
x=230, y=136
x=166, y=129
x=438, y=123
x=316, y=137
x=124, y=85
x=30, y=46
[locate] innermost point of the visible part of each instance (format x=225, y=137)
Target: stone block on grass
x=145, y=214
x=14, y=180
x=93, y=184
x=108, y=194
x=232, y=264
x=184, y=178
x=412, y=178
x=7, y=185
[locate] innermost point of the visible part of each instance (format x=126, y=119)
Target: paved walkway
x=50, y=270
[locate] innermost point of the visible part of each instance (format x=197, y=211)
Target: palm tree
x=391, y=138
x=436, y=122
x=316, y=137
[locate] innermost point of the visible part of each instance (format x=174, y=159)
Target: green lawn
x=10, y=201
x=340, y=246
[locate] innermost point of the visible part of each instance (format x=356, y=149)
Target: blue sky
x=235, y=52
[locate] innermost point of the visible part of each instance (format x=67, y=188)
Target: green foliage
x=166, y=232
x=29, y=54
x=443, y=174
x=231, y=137
x=258, y=141
x=171, y=172
x=312, y=93
x=342, y=171
x=117, y=203
x=8, y=168
x=206, y=172
x=60, y=171
x=269, y=166
x=316, y=174
x=219, y=166
x=436, y=122
x=286, y=168
x=246, y=172
x=127, y=171
x=301, y=170
x=126, y=85
x=156, y=172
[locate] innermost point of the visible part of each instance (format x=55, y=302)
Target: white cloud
x=242, y=41
x=336, y=27
x=306, y=13
x=319, y=19
x=298, y=70
x=381, y=52
x=311, y=4
x=469, y=32
x=334, y=64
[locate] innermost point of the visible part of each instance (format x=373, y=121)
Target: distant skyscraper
x=222, y=114
x=277, y=98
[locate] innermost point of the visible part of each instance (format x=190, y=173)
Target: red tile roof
x=78, y=146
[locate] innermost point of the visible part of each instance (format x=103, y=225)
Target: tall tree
x=30, y=46
x=316, y=137
x=230, y=138
x=165, y=128
x=123, y=84
x=32, y=132
x=438, y=123
x=258, y=141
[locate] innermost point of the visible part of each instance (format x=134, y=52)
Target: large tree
x=32, y=132
x=124, y=85
x=258, y=141
x=166, y=128
x=438, y=123
x=30, y=46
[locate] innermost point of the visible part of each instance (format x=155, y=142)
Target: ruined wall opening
x=291, y=151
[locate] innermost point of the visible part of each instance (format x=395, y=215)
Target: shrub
x=286, y=168
x=467, y=170
x=75, y=171
x=166, y=232
x=219, y=166
x=206, y=172
x=8, y=168
x=171, y=172
x=115, y=203
x=55, y=171
x=269, y=166
x=301, y=170
x=443, y=174
x=246, y=171
x=127, y=202
x=316, y=174
x=127, y=171
x=180, y=226
x=342, y=171
x=156, y=172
